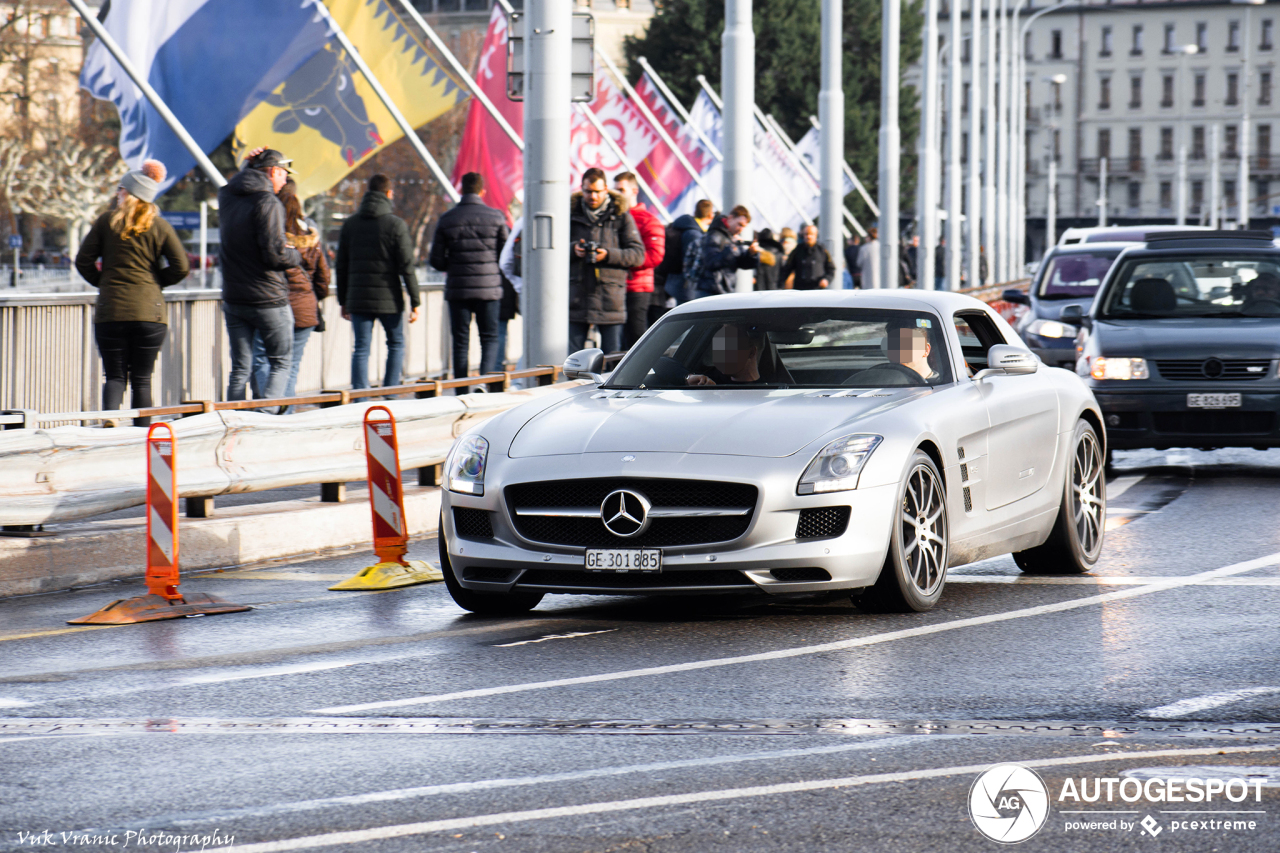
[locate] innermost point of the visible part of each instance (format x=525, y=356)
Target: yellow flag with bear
x=327, y=117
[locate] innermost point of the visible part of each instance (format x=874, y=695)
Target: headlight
x=1119, y=368
x=465, y=473
x=838, y=466
x=1051, y=329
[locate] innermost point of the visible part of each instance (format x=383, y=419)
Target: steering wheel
x=901, y=370
x=1264, y=307
x=669, y=372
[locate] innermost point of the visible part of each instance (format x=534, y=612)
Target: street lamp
x=1242, y=184
x=1181, y=211
x=1051, y=199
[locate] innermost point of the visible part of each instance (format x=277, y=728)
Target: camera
x=589, y=250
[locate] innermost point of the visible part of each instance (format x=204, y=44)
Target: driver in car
x=907, y=349
x=1264, y=289
x=735, y=356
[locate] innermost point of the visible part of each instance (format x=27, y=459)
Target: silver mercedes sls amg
x=782, y=442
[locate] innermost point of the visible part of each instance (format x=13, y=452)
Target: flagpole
x=688, y=119
x=622, y=158
x=462, y=72
x=657, y=125
x=768, y=167
x=848, y=172
x=156, y=101
x=790, y=147
x=372, y=80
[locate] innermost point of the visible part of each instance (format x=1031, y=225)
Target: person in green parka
x=140, y=254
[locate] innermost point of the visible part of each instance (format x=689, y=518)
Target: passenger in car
x=735, y=356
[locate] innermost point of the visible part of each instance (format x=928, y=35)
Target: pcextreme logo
x=1008, y=803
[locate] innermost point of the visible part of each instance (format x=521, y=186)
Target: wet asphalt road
x=392, y=721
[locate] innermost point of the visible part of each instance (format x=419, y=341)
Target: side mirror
x=1072, y=314
x=585, y=364
x=1017, y=297
x=1005, y=360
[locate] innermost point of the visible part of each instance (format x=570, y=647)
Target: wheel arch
x=930, y=449
x=1095, y=420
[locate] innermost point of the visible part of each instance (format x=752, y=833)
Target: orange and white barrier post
x=386, y=503
x=162, y=601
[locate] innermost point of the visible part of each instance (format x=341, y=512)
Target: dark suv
x=1182, y=344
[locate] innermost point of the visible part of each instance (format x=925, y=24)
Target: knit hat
x=138, y=184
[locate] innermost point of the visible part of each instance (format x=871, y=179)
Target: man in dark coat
x=768, y=275
x=598, y=283
x=810, y=262
x=375, y=257
x=255, y=291
x=723, y=256
x=467, y=246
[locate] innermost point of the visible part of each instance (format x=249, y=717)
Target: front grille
x=493, y=574
x=590, y=532
x=472, y=523
x=568, y=578
x=1213, y=369
x=824, y=522
x=1214, y=423
x=804, y=573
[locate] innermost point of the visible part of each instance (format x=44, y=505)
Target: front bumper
x=1158, y=417
x=506, y=561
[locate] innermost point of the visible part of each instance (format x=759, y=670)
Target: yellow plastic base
x=392, y=575
x=152, y=608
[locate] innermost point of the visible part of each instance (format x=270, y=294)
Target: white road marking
x=570, y=636
x=1102, y=580
x=1185, y=707
x=523, y=781
x=822, y=648
x=1120, y=485
x=272, y=672
x=13, y=703
x=359, y=836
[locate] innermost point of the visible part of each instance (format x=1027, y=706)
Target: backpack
x=693, y=260
x=672, y=261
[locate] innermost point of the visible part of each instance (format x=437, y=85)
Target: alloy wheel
x=1087, y=501
x=924, y=530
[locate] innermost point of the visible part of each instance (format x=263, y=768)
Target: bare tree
x=70, y=180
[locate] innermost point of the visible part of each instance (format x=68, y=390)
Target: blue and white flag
x=210, y=61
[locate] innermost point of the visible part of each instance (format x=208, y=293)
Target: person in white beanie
x=140, y=254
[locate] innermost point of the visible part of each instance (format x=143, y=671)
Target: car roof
x=941, y=301
x=1086, y=248
x=1119, y=233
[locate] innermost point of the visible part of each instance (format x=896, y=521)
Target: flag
x=210, y=61
x=809, y=149
x=485, y=147
x=327, y=117
x=673, y=173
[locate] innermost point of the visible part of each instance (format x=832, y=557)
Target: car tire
x=483, y=603
x=915, y=568
x=1076, y=540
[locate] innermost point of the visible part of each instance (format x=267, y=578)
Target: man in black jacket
x=723, y=255
x=375, y=255
x=255, y=292
x=810, y=262
x=598, y=284
x=467, y=246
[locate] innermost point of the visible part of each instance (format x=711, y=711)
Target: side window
x=977, y=335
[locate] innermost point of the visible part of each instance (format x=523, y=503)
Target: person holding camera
x=606, y=245
x=723, y=254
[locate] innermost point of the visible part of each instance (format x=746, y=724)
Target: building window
x=1264, y=140
x=1229, y=193
x=1197, y=143
x=1166, y=196
x=964, y=146
x=1197, y=97
x=1264, y=88
x=1104, y=93
x=1169, y=30
x=1231, y=141
x=1202, y=37
x=1057, y=145
x=964, y=53
x=1104, y=142
x=1057, y=96
x=964, y=97
x=1055, y=50
x=1106, y=42
x=1166, y=91
x=1166, y=143
x=1264, y=42
x=1026, y=45
x=1026, y=98
x=1136, y=49
x=1233, y=36
x=1233, y=88
x=1197, y=196
x=1135, y=195
x=1135, y=92
x=1135, y=149
x=1262, y=197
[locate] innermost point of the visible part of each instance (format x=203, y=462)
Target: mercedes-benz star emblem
x=625, y=513
x=1213, y=368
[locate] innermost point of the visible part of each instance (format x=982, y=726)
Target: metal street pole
x=803, y=166
x=1051, y=205
x=848, y=173
x=890, y=142
x=1102, y=192
x=926, y=152
x=974, y=207
x=989, y=146
x=548, y=49
x=1181, y=210
x=204, y=244
x=831, y=139
x=1242, y=183
x=205, y=164
x=1000, y=131
x=738, y=81
x=1020, y=167
x=955, y=179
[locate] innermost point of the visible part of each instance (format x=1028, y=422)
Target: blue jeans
x=610, y=337
x=486, y=312
x=362, y=327
x=275, y=325
x=261, y=367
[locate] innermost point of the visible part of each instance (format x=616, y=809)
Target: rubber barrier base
x=392, y=575
x=152, y=608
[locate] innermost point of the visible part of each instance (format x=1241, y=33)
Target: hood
x=374, y=205
x=305, y=241
x=685, y=221
x=619, y=201
x=737, y=422
x=1229, y=337
x=250, y=181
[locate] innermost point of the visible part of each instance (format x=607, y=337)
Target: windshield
x=789, y=348
x=1071, y=276
x=1196, y=286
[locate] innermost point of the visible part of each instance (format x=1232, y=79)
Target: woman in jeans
x=308, y=286
x=140, y=254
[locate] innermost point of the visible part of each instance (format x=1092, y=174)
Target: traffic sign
x=15, y=241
